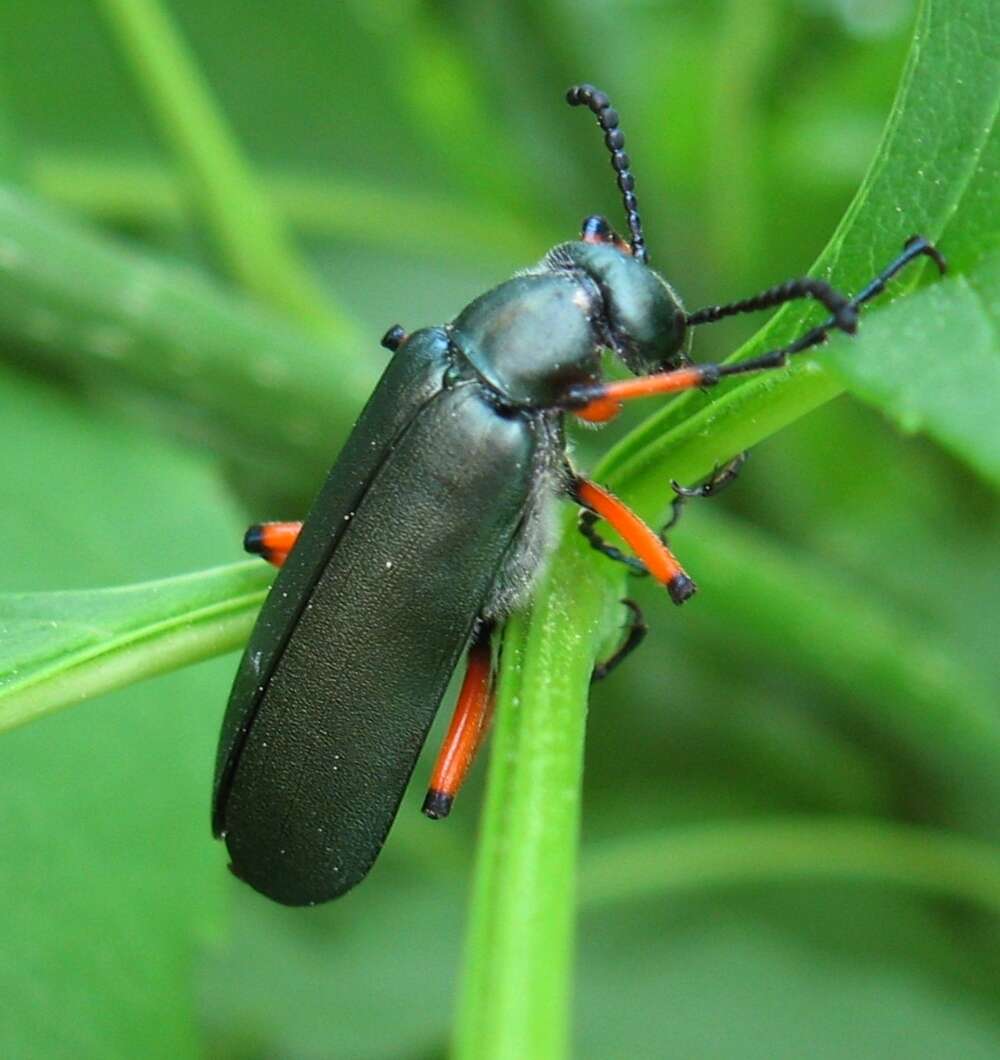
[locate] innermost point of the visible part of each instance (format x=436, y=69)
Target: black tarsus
x=912, y=248
x=722, y=476
x=636, y=632
x=437, y=805
x=253, y=540
x=845, y=315
x=614, y=138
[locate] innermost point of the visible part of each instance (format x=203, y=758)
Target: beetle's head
x=643, y=317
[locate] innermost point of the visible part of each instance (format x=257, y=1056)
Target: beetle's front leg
x=470, y=723
x=272, y=541
x=652, y=556
x=600, y=402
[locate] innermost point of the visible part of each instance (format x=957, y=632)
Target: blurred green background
x=412, y=155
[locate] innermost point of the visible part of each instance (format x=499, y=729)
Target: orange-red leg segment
x=467, y=731
x=273, y=541
x=644, y=541
x=602, y=401
x=608, y=397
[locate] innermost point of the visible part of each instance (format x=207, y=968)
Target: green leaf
x=932, y=363
x=57, y=649
x=913, y=684
x=766, y=972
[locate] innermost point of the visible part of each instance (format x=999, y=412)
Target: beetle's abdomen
x=346, y=707
x=531, y=337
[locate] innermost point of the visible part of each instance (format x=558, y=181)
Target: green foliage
x=64, y=647
x=110, y=886
x=802, y=756
x=898, y=365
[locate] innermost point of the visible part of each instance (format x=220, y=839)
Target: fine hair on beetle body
x=431, y=528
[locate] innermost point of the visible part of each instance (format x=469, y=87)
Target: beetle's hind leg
x=272, y=541
x=470, y=723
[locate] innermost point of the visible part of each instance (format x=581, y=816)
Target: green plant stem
x=523, y=907
x=515, y=992
x=247, y=232
x=139, y=193
x=789, y=850
x=221, y=369
x=746, y=47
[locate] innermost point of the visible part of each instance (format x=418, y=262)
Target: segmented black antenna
x=607, y=119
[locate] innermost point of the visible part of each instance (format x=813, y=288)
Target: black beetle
x=429, y=531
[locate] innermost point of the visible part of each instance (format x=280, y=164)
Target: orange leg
x=273, y=541
x=469, y=726
x=600, y=402
x=653, y=555
x=603, y=401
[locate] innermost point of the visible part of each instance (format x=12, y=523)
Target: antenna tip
x=588, y=96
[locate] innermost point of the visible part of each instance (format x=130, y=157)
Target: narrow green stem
x=515, y=992
x=738, y=853
x=120, y=319
x=141, y=193
x=746, y=46
x=247, y=232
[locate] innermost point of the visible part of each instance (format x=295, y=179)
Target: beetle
x=430, y=530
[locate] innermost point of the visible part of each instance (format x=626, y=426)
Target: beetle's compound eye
x=596, y=229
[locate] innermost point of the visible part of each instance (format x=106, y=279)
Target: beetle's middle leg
x=272, y=541
x=652, y=556
x=723, y=476
x=635, y=633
